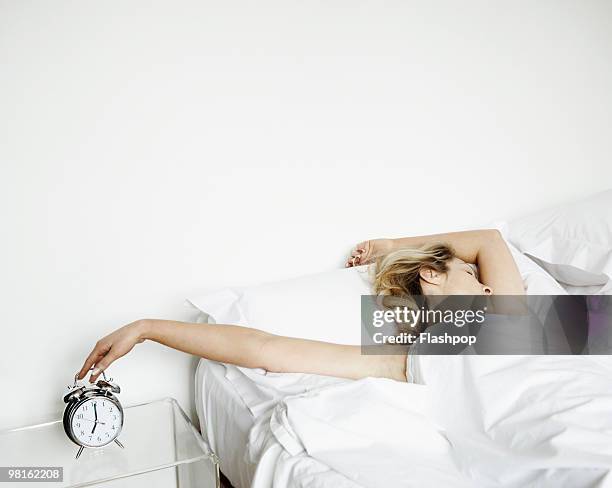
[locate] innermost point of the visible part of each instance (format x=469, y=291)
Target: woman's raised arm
x=484, y=247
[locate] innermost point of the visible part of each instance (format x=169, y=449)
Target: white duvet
x=480, y=421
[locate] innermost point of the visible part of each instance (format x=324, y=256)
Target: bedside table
x=162, y=449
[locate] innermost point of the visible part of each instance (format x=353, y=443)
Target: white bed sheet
x=225, y=421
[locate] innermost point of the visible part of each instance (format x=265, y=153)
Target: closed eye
x=469, y=269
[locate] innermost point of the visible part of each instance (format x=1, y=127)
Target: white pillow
x=535, y=279
x=323, y=307
x=573, y=242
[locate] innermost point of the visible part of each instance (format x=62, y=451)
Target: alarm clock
x=93, y=416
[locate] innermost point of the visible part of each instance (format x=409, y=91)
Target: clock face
x=96, y=422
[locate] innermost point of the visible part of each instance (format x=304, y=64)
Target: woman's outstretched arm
x=243, y=346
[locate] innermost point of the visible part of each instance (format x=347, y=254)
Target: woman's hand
x=112, y=347
x=365, y=252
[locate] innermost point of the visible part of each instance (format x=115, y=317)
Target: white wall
x=153, y=150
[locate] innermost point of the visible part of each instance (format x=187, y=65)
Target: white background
x=151, y=151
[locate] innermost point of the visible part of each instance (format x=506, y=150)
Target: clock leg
x=79, y=453
x=119, y=444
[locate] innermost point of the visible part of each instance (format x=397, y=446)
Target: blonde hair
x=398, y=273
x=397, y=278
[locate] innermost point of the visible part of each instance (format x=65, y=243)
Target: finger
x=101, y=365
x=362, y=245
x=365, y=251
x=360, y=250
x=98, y=351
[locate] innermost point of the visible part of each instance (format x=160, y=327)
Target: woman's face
x=460, y=279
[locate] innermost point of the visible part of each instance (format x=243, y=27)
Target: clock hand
x=96, y=421
x=95, y=411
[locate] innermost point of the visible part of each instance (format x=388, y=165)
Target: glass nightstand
x=162, y=449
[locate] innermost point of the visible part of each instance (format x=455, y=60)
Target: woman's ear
x=431, y=276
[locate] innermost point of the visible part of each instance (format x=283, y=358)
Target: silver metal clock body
x=93, y=416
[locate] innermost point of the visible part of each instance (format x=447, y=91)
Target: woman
x=404, y=267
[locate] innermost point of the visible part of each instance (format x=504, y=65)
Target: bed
x=515, y=420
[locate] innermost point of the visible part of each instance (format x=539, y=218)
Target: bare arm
x=246, y=347
x=485, y=247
